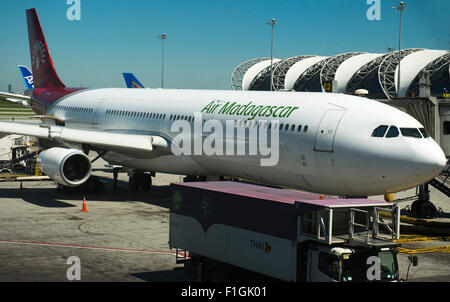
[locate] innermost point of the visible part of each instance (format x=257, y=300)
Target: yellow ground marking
x=418, y=238
x=434, y=249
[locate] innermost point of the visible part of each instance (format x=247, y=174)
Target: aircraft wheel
x=133, y=183
x=427, y=210
x=415, y=206
x=146, y=182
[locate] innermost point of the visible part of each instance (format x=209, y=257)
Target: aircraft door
x=96, y=114
x=327, y=130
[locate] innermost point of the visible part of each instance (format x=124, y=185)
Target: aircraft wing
x=15, y=96
x=148, y=146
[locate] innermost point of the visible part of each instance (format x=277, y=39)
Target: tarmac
x=123, y=236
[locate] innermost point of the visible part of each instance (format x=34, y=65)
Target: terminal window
x=446, y=127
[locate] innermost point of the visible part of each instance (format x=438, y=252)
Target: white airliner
x=329, y=143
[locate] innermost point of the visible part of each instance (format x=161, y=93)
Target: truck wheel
x=214, y=274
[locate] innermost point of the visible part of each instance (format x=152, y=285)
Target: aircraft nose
x=429, y=161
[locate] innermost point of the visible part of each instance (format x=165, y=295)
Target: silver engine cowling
x=68, y=167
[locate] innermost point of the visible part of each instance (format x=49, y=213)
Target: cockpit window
x=379, y=131
x=393, y=132
x=411, y=132
x=424, y=132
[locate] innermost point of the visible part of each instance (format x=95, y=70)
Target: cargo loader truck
x=230, y=231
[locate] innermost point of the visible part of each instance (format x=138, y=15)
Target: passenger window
x=299, y=128
x=305, y=129
x=329, y=265
x=446, y=127
x=410, y=132
x=380, y=131
x=393, y=132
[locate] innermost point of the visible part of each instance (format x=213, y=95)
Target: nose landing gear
x=423, y=207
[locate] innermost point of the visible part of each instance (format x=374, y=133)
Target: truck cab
x=340, y=264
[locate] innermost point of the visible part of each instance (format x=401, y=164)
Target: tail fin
x=42, y=65
x=131, y=81
x=27, y=76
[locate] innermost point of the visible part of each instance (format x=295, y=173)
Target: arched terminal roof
x=281, y=70
x=329, y=69
x=387, y=71
x=238, y=73
x=261, y=81
x=367, y=78
x=376, y=73
x=298, y=69
x=438, y=72
x=254, y=70
x=412, y=65
x=309, y=80
x=349, y=67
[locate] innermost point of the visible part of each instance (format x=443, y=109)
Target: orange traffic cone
x=84, y=209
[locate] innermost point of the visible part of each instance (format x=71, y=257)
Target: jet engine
x=68, y=167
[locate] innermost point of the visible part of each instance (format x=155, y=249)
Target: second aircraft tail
x=27, y=76
x=131, y=81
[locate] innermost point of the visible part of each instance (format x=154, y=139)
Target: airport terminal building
x=377, y=74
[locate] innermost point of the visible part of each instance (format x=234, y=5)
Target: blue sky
x=207, y=39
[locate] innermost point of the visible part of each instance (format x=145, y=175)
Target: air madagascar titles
x=250, y=110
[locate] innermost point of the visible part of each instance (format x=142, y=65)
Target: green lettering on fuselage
x=249, y=110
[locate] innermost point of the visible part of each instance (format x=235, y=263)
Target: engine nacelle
x=68, y=167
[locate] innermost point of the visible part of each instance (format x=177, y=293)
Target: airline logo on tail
x=39, y=54
x=131, y=81
x=41, y=62
x=27, y=76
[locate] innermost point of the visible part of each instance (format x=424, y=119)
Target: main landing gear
x=140, y=180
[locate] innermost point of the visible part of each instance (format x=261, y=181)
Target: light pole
x=162, y=37
x=272, y=23
x=400, y=7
